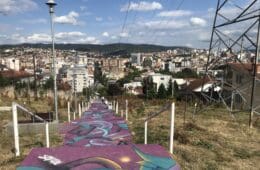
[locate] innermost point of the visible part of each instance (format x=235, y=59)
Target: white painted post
x=117, y=107
x=126, y=110
x=16, y=132
x=47, y=134
x=68, y=111
x=114, y=105
x=172, y=127
x=82, y=106
x=232, y=101
x=74, y=115
x=122, y=113
x=79, y=110
x=194, y=111
x=145, y=132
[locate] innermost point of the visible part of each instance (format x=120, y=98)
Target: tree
x=149, y=89
x=49, y=84
x=147, y=62
x=4, y=81
x=186, y=73
x=114, y=90
x=162, y=93
x=176, y=94
x=169, y=89
x=128, y=78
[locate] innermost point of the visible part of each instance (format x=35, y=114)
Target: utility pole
x=51, y=5
x=35, y=79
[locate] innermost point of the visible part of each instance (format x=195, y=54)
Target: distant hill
x=111, y=49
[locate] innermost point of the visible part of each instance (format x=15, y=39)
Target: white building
x=136, y=59
x=12, y=63
x=78, y=78
x=133, y=87
x=159, y=79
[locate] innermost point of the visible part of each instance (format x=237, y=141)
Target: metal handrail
x=154, y=114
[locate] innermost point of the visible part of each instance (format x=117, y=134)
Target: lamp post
x=51, y=5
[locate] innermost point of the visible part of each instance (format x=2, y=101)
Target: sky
x=162, y=22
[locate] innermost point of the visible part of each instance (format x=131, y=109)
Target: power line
x=124, y=23
x=168, y=21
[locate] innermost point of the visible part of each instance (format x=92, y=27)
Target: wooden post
x=172, y=127
x=145, y=132
x=126, y=110
x=68, y=111
x=47, y=134
x=16, y=131
x=79, y=111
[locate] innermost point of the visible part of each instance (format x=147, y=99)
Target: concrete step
x=132, y=157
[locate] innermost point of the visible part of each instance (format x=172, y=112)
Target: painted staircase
x=99, y=140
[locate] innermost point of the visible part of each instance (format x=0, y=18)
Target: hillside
x=106, y=49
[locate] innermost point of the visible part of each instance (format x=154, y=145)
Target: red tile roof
x=15, y=74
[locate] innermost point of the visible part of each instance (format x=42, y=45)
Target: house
x=21, y=75
x=159, y=79
x=135, y=88
x=3, y=67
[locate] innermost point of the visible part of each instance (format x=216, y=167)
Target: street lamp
x=51, y=5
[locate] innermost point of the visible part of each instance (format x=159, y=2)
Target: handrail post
x=47, y=134
x=172, y=127
x=117, y=107
x=122, y=113
x=68, y=111
x=79, y=110
x=145, y=132
x=16, y=131
x=126, y=110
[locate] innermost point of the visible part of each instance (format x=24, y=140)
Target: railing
x=16, y=106
x=165, y=108
x=80, y=109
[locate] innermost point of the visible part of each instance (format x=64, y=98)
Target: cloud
x=35, y=21
x=83, y=8
x=35, y=38
x=175, y=13
x=165, y=24
x=99, y=19
x=124, y=34
x=142, y=6
x=105, y=34
x=61, y=37
x=71, y=18
x=19, y=28
x=195, y=21
x=114, y=37
x=8, y=7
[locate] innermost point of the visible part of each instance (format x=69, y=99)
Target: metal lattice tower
x=235, y=43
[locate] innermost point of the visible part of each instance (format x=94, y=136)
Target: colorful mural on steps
x=99, y=141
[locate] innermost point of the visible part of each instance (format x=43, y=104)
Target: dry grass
x=212, y=140
x=27, y=142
